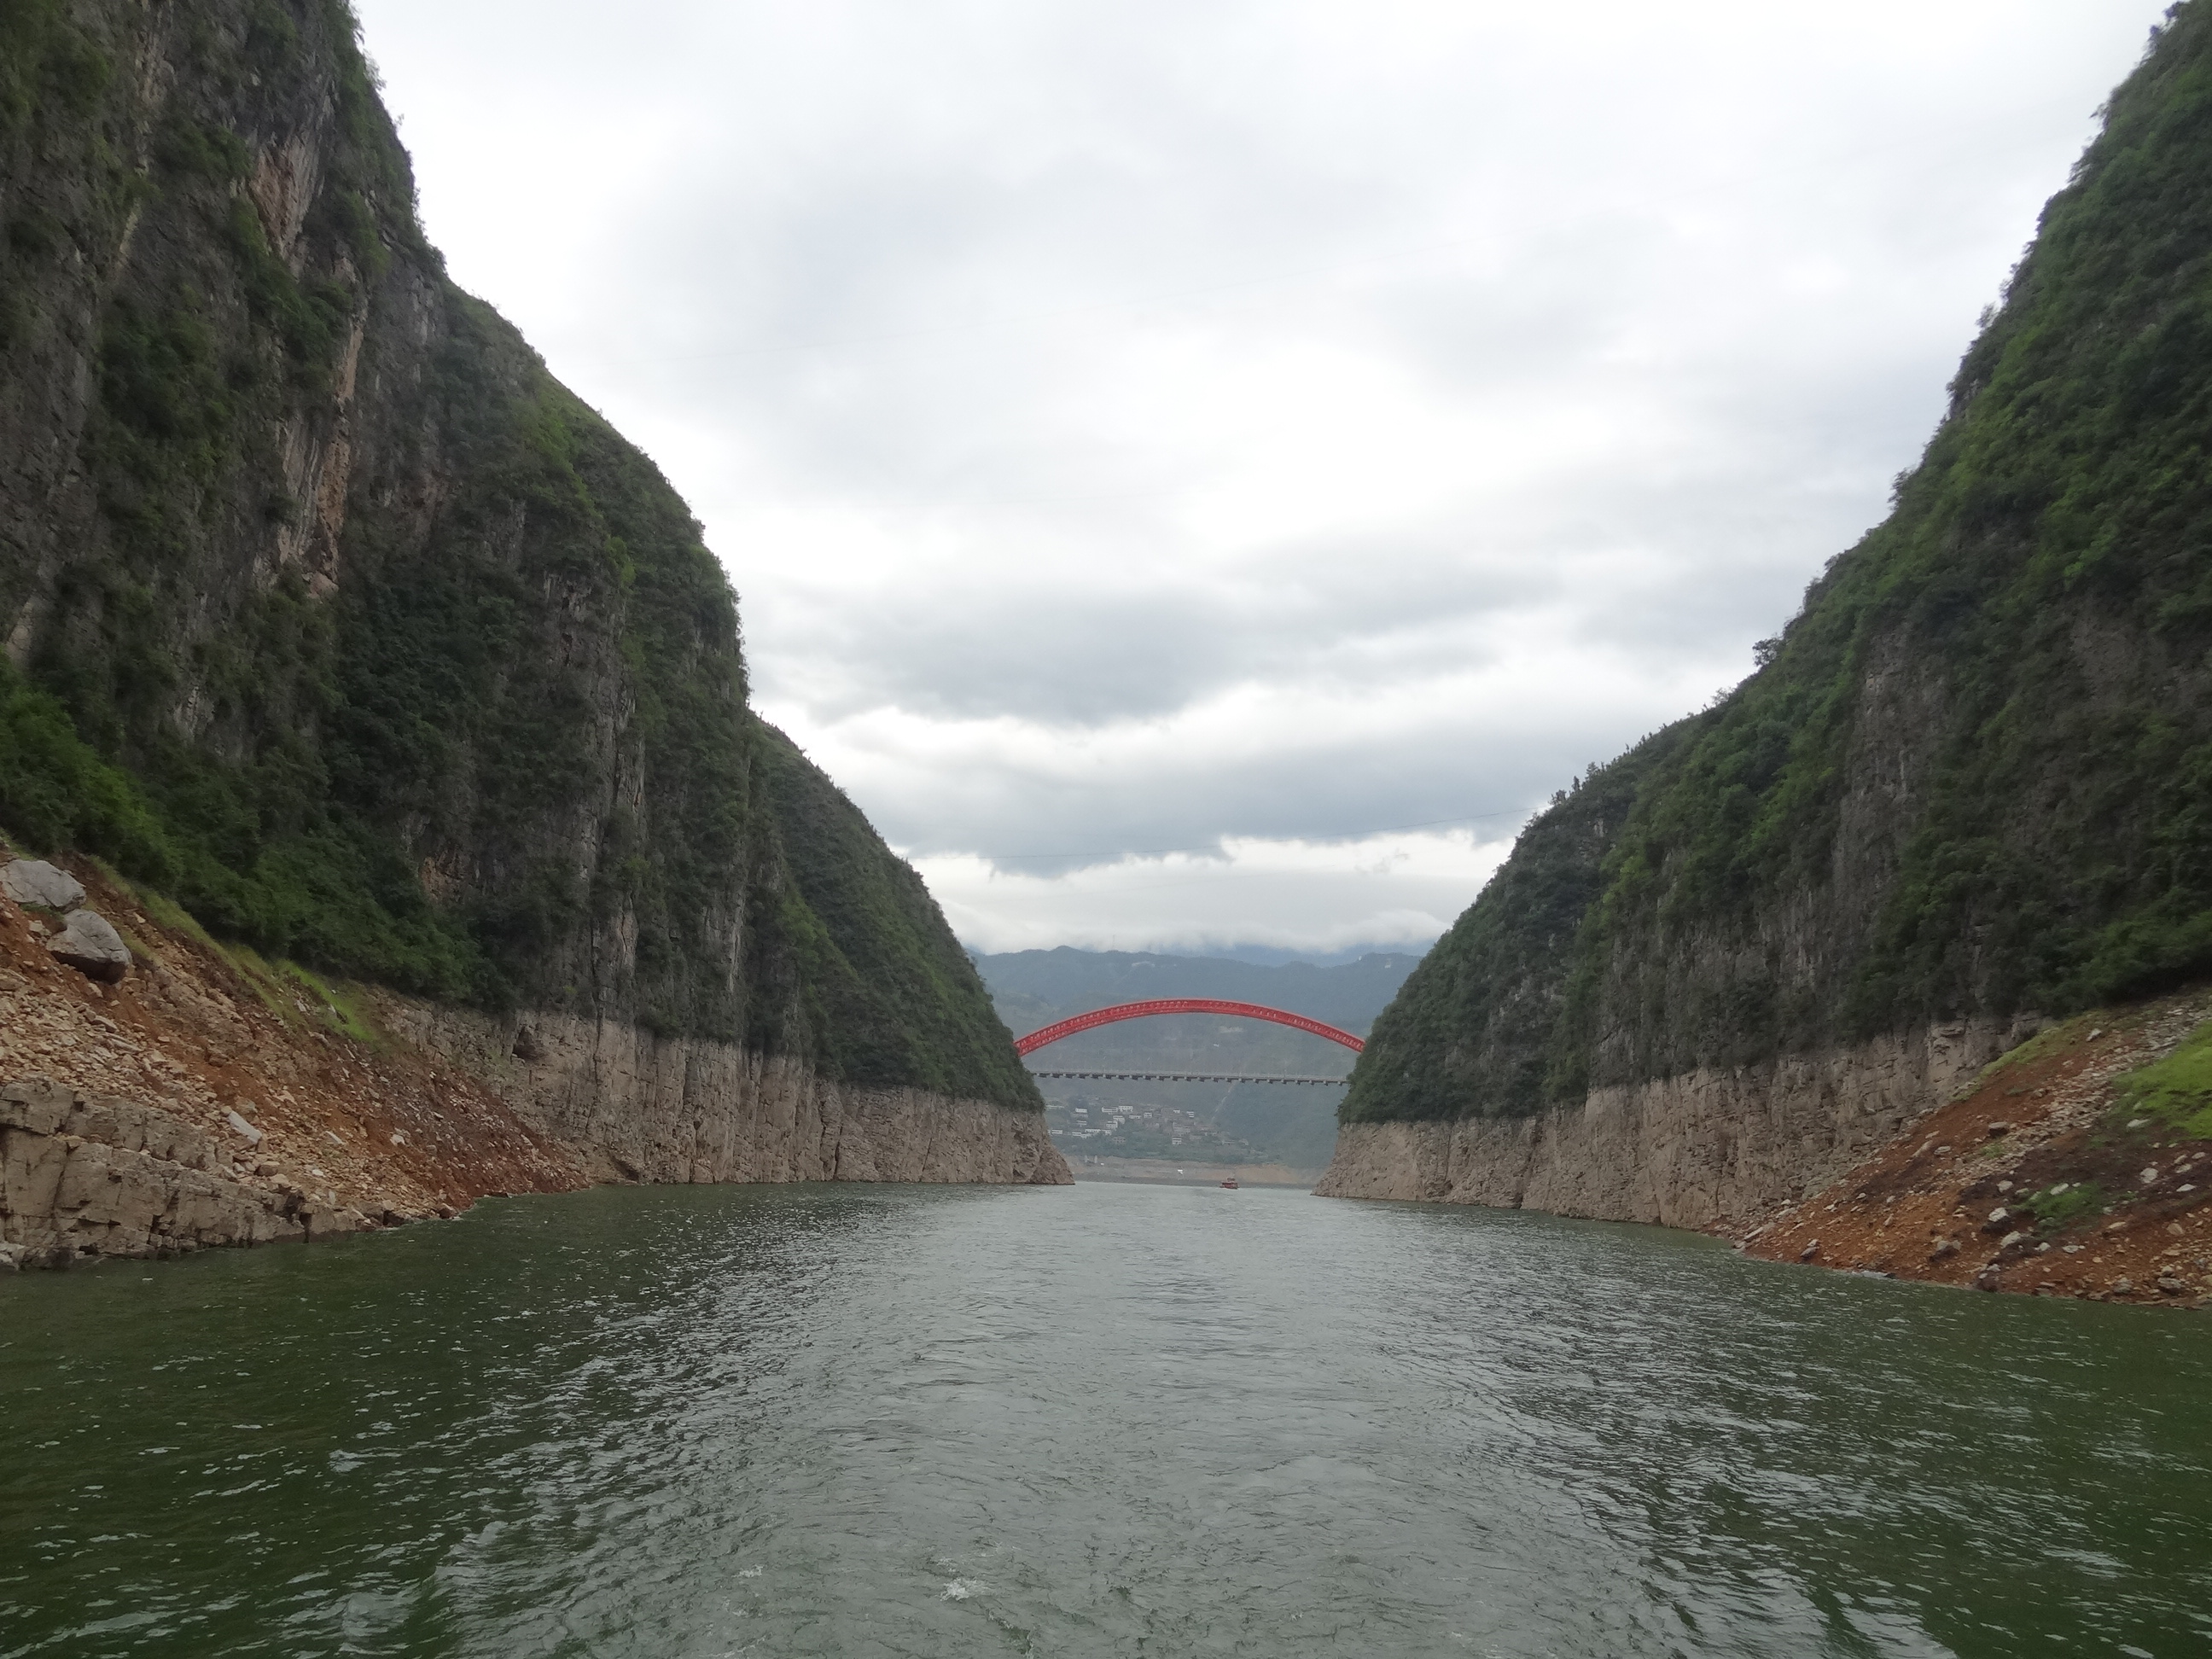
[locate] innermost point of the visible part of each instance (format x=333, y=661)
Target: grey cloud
x=1459, y=772
x=981, y=281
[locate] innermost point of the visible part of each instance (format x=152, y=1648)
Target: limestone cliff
x=644, y=1107
x=327, y=613
x=1703, y=1148
x=1968, y=789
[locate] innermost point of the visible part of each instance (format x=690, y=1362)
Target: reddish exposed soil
x=383, y=1127
x=1944, y=1202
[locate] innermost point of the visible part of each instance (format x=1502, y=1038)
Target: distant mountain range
x=1035, y=987
x=1294, y=1124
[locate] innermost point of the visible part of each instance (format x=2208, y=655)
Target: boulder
x=326, y=1219
x=92, y=947
x=33, y=881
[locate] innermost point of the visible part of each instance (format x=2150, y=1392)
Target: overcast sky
x=1201, y=472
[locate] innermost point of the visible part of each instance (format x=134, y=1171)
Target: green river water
x=1104, y=1420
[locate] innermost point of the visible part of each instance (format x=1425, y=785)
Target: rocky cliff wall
x=1967, y=786
x=640, y=1107
x=326, y=611
x=1701, y=1149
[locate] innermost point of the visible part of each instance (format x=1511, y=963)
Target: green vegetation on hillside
x=193, y=368
x=1974, y=775
x=2176, y=1092
x=889, y=993
x=334, y=894
x=1472, y=1028
x=330, y=614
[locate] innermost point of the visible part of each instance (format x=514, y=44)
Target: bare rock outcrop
x=654, y=1108
x=87, y=941
x=86, y=1175
x=187, y=1107
x=35, y=882
x=1696, y=1150
x=90, y=945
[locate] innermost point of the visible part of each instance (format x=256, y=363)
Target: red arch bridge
x=1097, y=1016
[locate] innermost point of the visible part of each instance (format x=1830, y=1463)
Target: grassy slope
x=2047, y=572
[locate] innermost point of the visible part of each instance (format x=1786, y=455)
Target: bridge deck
x=1190, y=1077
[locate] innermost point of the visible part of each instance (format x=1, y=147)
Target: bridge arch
x=1098, y=1016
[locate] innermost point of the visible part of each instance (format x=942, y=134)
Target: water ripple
x=1111, y=1420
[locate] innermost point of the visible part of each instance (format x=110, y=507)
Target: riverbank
x=1999, y=1157
x=202, y=1096
x=1168, y=1172
x=2043, y=1175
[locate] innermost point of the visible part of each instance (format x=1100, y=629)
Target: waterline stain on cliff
x=372, y=1109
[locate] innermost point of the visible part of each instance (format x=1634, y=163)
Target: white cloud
x=1380, y=889
x=1133, y=426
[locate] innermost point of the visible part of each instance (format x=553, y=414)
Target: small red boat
x=1230, y=1183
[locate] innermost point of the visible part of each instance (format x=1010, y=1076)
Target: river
x=1100, y=1420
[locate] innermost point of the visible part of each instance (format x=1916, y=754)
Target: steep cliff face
x=639, y=1107
x=1970, y=785
x=327, y=610
x=1705, y=1148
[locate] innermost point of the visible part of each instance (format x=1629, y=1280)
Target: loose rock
x=33, y=881
x=92, y=947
